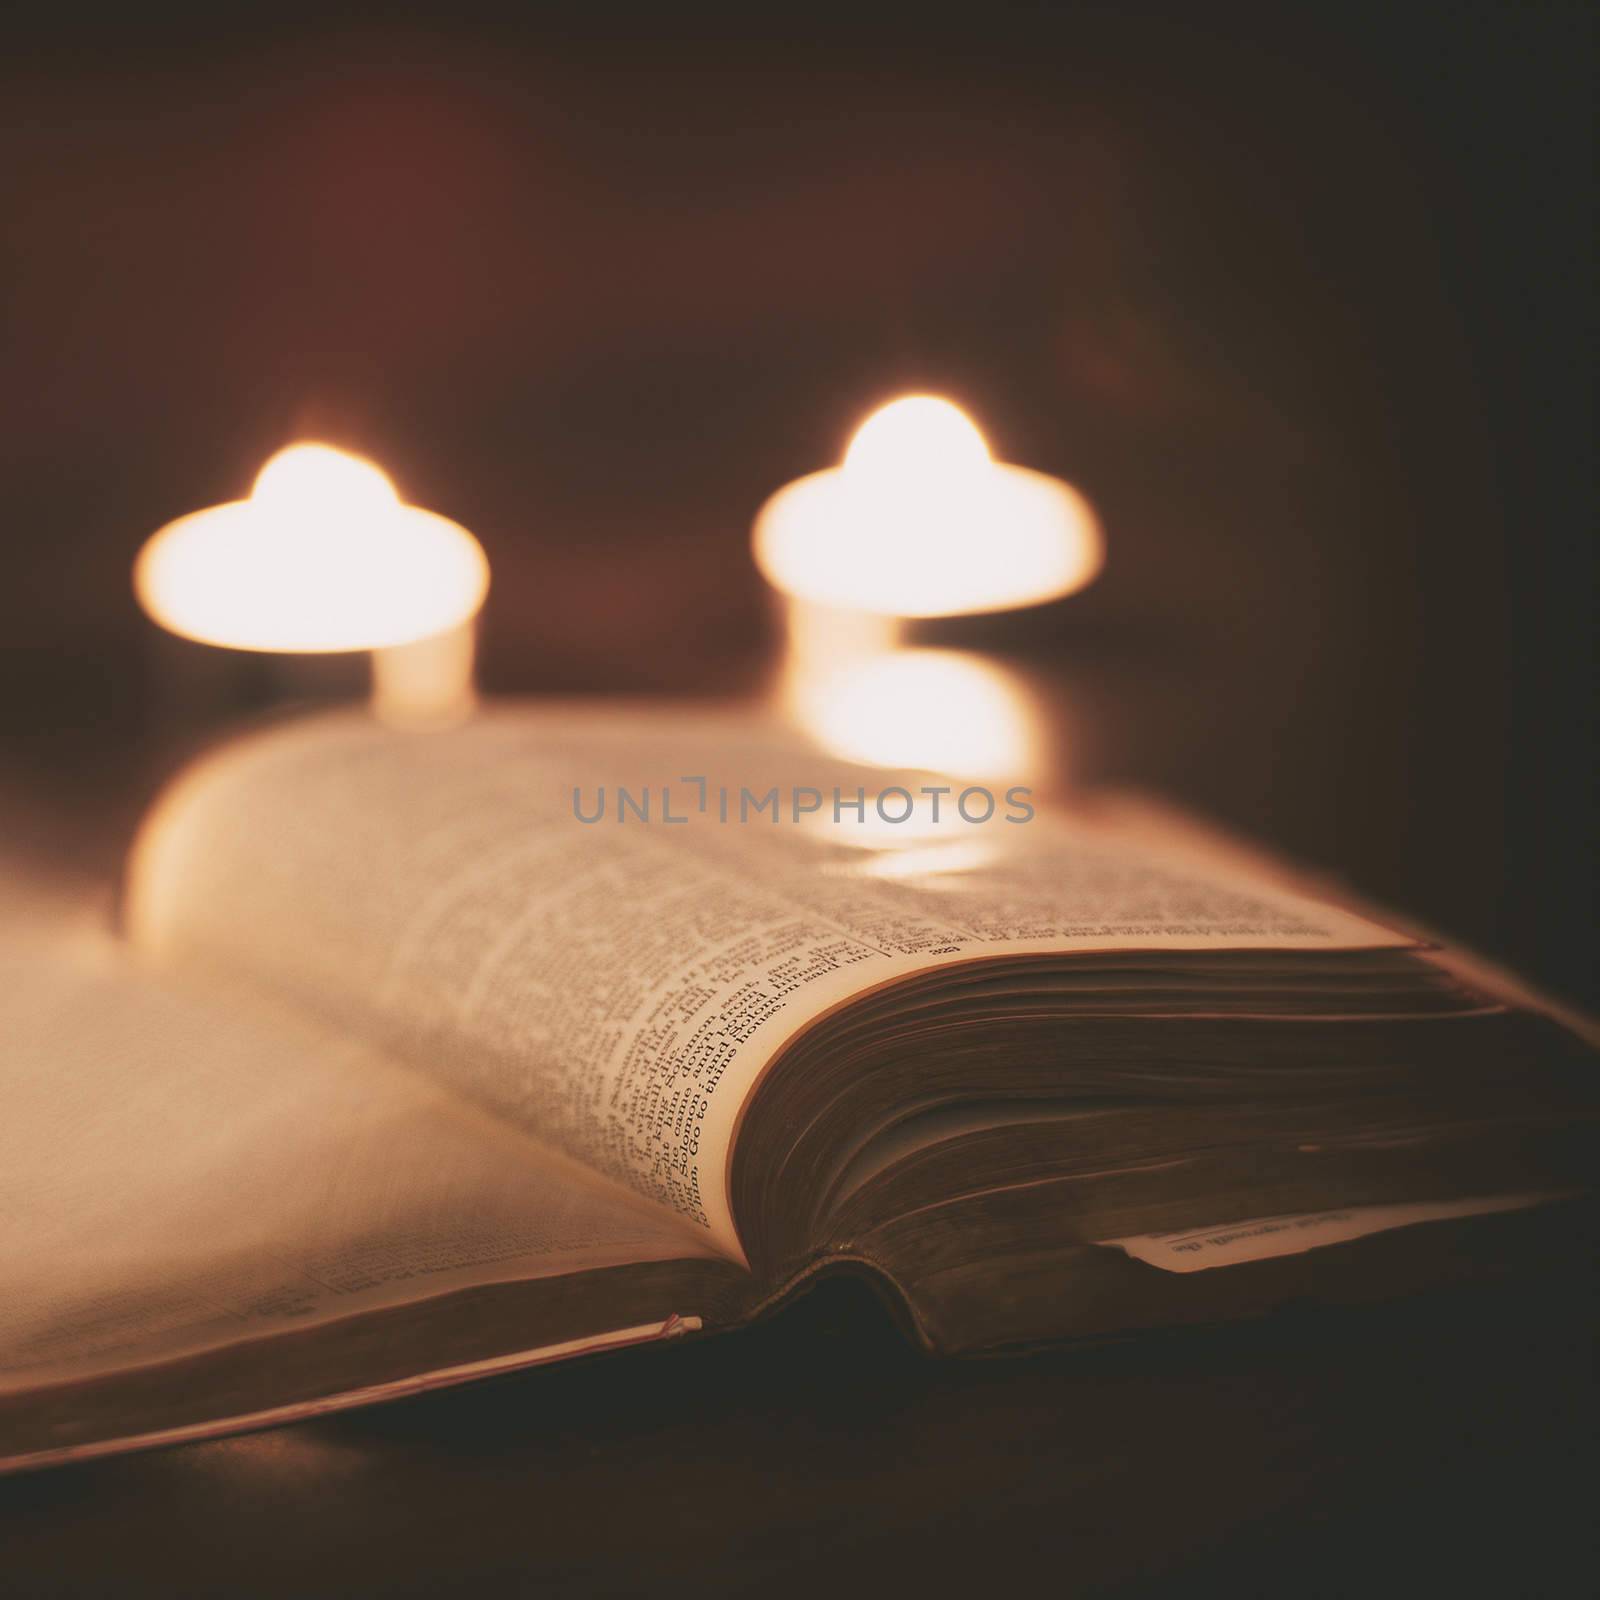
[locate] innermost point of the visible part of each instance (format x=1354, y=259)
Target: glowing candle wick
x=914, y=438
x=317, y=480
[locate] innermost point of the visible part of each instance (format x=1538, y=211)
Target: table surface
x=1441, y=1445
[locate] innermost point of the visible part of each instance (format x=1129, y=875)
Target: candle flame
x=315, y=480
x=322, y=557
x=921, y=521
x=918, y=434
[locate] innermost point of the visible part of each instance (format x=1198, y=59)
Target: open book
x=420, y=1056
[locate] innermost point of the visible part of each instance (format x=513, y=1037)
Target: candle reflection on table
x=947, y=710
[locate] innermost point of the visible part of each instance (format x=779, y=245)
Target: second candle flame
x=921, y=521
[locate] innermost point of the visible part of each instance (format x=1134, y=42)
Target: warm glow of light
x=317, y=481
x=920, y=521
x=935, y=860
x=929, y=710
x=920, y=435
x=323, y=556
x=915, y=848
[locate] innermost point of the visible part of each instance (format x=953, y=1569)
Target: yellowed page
x=616, y=987
x=181, y=1169
x=1262, y=1238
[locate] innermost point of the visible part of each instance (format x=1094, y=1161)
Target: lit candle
x=919, y=521
x=323, y=558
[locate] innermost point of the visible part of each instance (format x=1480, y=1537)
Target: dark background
x=1295, y=297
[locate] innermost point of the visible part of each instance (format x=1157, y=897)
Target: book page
x=1262, y=1238
x=613, y=976
x=181, y=1170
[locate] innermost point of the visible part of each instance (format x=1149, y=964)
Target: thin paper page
x=617, y=985
x=1197, y=1249
x=179, y=1171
